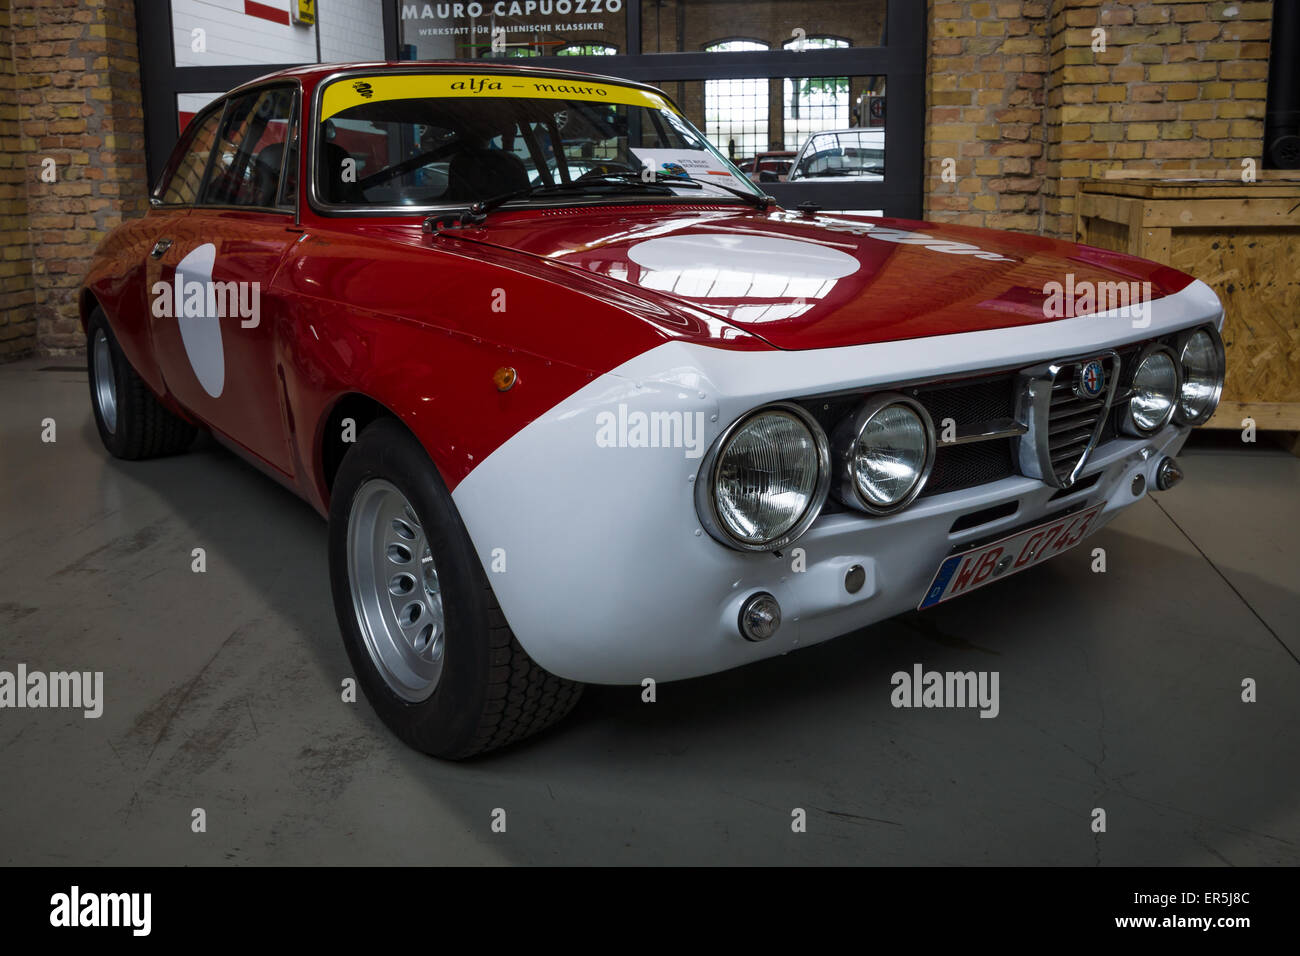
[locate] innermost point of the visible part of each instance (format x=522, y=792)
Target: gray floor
x=1118, y=690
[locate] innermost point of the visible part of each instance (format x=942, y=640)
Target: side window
x=181, y=179
x=250, y=150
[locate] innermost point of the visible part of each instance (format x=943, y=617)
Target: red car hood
x=804, y=283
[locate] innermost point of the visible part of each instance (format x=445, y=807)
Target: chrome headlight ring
x=847, y=434
x=1130, y=424
x=1220, y=371
x=706, y=482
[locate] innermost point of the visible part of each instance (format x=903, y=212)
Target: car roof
x=313, y=73
x=852, y=129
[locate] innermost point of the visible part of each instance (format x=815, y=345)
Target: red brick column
x=76, y=74
x=1180, y=85
x=986, y=71
x=17, y=290
x=1025, y=106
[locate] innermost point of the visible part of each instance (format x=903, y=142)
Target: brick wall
x=74, y=70
x=1027, y=108
x=17, y=289
x=986, y=70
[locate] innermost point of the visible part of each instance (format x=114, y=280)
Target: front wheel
x=422, y=628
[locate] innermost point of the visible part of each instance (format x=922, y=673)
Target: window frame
x=759, y=46
x=841, y=43
x=319, y=206
x=254, y=89
x=182, y=147
x=788, y=120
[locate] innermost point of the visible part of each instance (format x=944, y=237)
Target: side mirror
x=767, y=176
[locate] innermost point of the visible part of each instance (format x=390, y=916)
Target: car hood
x=803, y=282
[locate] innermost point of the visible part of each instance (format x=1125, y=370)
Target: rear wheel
x=422, y=628
x=132, y=423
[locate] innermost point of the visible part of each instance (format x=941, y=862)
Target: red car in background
x=581, y=404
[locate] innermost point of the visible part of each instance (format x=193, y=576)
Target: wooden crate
x=1242, y=239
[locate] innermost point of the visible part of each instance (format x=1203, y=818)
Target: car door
x=216, y=334
x=170, y=203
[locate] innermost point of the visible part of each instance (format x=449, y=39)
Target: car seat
x=338, y=190
x=478, y=172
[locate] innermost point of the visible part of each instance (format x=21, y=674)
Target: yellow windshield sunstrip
x=347, y=92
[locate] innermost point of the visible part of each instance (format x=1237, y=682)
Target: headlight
x=765, y=480
x=1201, y=362
x=1154, y=391
x=884, y=454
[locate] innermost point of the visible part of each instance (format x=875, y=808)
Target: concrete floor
x=1118, y=690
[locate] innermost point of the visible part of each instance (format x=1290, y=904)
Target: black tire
x=490, y=692
x=142, y=427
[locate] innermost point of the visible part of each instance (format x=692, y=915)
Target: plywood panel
x=1105, y=235
x=1243, y=239
x=1256, y=273
x=1268, y=416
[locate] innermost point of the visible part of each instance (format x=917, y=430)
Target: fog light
x=1168, y=474
x=760, y=616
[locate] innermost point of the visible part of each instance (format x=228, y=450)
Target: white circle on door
x=199, y=319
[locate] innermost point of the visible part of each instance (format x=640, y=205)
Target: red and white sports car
x=583, y=405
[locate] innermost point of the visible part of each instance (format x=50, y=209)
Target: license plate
x=962, y=573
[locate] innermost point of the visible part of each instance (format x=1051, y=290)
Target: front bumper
x=597, y=556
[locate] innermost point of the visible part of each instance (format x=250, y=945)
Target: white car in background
x=857, y=154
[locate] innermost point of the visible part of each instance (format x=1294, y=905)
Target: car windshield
x=853, y=153
x=436, y=139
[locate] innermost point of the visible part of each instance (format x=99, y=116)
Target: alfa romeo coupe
x=582, y=404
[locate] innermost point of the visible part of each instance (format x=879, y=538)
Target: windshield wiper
x=759, y=202
x=478, y=210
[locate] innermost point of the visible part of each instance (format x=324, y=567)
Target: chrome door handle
x=160, y=247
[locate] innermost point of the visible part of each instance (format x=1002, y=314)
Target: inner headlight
x=766, y=479
x=1154, y=391
x=1201, y=362
x=885, y=453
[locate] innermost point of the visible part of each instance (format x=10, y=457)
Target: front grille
x=1033, y=397
x=1072, y=419
x=969, y=402
x=965, y=466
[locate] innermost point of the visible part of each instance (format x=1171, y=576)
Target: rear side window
x=250, y=150
x=184, y=174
